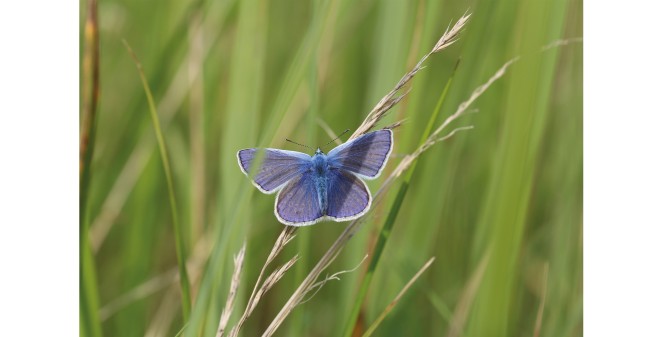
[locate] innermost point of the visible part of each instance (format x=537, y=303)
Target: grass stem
x=89, y=298
x=178, y=232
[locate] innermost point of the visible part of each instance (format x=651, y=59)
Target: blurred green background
x=499, y=206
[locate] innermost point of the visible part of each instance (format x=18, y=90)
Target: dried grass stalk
x=275, y=276
x=462, y=109
x=353, y=227
x=391, y=99
x=384, y=105
x=332, y=277
x=287, y=234
x=234, y=286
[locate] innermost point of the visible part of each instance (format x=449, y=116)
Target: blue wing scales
x=348, y=197
x=298, y=203
x=277, y=168
x=364, y=156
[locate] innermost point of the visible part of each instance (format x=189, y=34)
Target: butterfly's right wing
x=277, y=168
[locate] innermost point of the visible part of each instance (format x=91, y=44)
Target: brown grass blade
x=391, y=306
x=543, y=299
x=464, y=303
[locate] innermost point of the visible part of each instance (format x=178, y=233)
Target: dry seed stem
x=284, y=238
x=234, y=286
x=391, y=99
x=370, y=121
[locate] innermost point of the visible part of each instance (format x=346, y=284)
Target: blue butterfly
x=324, y=186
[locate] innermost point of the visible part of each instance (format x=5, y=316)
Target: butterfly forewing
x=277, y=168
x=365, y=156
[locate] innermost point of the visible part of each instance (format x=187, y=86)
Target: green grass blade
x=384, y=234
x=177, y=229
x=503, y=221
x=293, y=79
x=298, y=327
x=89, y=320
x=89, y=302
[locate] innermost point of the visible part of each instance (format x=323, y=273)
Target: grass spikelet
x=234, y=286
x=286, y=236
x=391, y=99
x=273, y=278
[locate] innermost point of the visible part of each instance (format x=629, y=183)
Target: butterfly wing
x=348, y=196
x=364, y=156
x=298, y=203
x=277, y=168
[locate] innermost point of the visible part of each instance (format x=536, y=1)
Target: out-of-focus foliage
x=505, y=197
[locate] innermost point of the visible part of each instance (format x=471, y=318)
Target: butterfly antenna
x=338, y=137
x=293, y=142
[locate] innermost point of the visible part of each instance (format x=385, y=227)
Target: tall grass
x=494, y=205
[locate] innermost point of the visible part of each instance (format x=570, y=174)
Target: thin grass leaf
x=168, y=106
x=177, y=229
x=543, y=300
x=461, y=312
x=511, y=191
x=288, y=90
x=396, y=300
x=303, y=242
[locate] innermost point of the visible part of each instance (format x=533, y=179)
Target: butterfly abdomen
x=319, y=175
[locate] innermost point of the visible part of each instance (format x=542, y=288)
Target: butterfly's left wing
x=364, y=156
x=277, y=168
x=298, y=202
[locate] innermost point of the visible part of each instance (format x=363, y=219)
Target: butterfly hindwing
x=365, y=156
x=347, y=196
x=277, y=168
x=298, y=202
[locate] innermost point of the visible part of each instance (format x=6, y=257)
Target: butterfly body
x=320, y=170
x=322, y=186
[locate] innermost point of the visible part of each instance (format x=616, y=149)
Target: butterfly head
x=318, y=152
